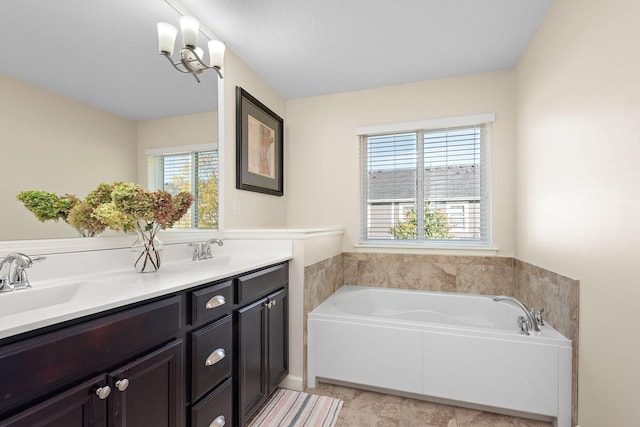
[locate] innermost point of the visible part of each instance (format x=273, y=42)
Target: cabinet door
x=77, y=407
x=149, y=391
x=278, y=338
x=251, y=369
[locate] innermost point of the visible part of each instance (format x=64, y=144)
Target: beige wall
x=322, y=180
x=577, y=174
x=248, y=208
x=175, y=131
x=56, y=144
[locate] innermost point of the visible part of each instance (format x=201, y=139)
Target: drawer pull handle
x=216, y=301
x=103, y=392
x=218, y=422
x=122, y=384
x=215, y=357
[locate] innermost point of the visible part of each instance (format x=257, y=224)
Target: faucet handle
x=523, y=325
x=538, y=316
x=196, y=250
x=206, y=250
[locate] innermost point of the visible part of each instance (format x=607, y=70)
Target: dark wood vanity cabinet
x=262, y=341
x=205, y=356
x=211, y=356
x=134, y=382
x=144, y=392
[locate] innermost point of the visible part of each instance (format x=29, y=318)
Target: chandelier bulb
x=166, y=37
x=190, y=27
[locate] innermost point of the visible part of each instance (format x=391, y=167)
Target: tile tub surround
x=557, y=294
x=560, y=297
x=320, y=281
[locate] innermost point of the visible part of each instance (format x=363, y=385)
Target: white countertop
x=72, y=296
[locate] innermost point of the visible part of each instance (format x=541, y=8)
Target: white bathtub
x=454, y=348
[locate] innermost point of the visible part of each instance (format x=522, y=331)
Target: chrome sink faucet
x=12, y=271
x=531, y=316
x=202, y=250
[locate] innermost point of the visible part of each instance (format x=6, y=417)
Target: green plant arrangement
x=120, y=206
x=48, y=206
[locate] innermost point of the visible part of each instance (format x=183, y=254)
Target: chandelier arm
x=186, y=69
x=202, y=63
x=174, y=64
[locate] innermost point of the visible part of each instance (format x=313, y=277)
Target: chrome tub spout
x=531, y=320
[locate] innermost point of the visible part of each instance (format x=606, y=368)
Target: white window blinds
x=196, y=172
x=426, y=185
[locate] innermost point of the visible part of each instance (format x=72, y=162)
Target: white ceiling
x=102, y=52
x=304, y=47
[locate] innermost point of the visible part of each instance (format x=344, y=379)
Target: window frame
x=418, y=127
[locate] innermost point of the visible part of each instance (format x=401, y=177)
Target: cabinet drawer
x=218, y=406
x=211, y=356
x=211, y=303
x=44, y=363
x=261, y=283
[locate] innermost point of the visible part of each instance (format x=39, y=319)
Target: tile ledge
x=426, y=250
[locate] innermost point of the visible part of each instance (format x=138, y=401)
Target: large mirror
x=84, y=99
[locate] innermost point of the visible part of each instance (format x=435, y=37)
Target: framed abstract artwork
x=259, y=146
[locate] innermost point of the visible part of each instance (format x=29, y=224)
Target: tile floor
x=368, y=409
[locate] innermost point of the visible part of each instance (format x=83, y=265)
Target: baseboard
x=292, y=383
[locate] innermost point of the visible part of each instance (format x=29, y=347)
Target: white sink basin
x=23, y=300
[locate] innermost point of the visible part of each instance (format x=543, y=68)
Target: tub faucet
x=532, y=323
x=12, y=271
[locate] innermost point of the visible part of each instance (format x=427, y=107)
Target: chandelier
x=190, y=58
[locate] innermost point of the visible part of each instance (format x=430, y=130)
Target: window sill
x=426, y=249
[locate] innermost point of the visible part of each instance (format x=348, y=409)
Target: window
x=195, y=171
x=429, y=184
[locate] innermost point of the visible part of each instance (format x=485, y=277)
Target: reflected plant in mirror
x=121, y=206
x=48, y=206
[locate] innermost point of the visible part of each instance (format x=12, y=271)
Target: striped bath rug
x=288, y=408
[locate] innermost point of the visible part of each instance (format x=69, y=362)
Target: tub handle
x=523, y=325
x=538, y=316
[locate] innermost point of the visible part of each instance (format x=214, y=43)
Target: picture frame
x=259, y=146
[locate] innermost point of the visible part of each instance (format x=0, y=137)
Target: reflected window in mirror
x=188, y=168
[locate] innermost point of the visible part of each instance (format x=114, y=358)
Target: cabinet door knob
x=215, y=357
x=103, y=392
x=216, y=301
x=122, y=384
x=218, y=422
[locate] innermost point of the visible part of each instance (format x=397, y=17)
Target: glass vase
x=146, y=249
